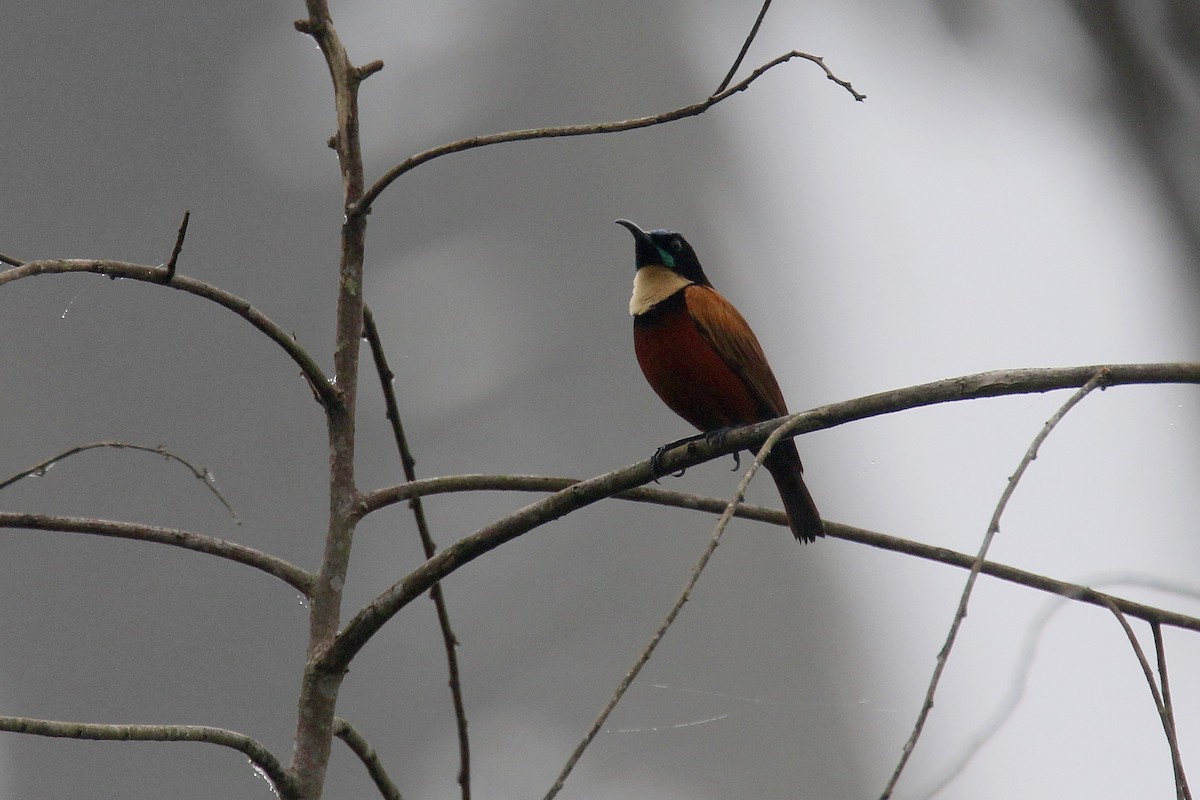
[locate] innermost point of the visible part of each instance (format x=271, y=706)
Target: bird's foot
x=717, y=438
x=656, y=466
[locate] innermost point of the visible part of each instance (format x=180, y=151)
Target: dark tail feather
x=803, y=518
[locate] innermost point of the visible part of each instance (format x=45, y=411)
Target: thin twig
x=178, y=248
x=737, y=62
x=449, y=640
x=695, y=109
x=289, y=573
x=201, y=474
x=1147, y=670
x=367, y=755
x=1161, y=699
x=993, y=528
x=363, y=626
x=1020, y=677
x=327, y=394
x=14, y=262
x=259, y=756
x=730, y=508
x=1160, y=652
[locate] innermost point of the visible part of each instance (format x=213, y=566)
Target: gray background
x=1020, y=189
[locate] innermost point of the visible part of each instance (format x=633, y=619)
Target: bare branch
x=367, y=755
x=449, y=640
x=1161, y=702
x=986, y=384
x=695, y=109
x=713, y=505
x=726, y=515
x=287, y=572
x=325, y=392
x=319, y=687
x=11, y=261
x=259, y=756
x=203, y=475
x=996, y=383
x=737, y=62
x=961, y=614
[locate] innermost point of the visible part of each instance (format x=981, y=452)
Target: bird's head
x=667, y=249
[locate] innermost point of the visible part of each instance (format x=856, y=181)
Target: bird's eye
x=676, y=244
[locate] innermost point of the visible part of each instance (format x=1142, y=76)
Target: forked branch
x=319, y=687
x=592, y=129
x=1162, y=698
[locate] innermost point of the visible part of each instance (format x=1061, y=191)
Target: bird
x=701, y=358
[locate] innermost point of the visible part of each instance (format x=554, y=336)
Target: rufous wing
x=730, y=335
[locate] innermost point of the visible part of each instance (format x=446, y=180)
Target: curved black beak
x=646, y=251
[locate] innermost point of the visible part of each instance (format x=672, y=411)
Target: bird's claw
x=657, y=470
x=656, y=466
x=717, y=438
